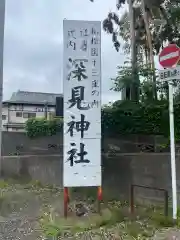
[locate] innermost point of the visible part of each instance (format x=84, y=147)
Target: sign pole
x=173, y=156
x=66, y=201
x=169, y=58
x=99, y=198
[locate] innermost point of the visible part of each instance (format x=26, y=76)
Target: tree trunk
x=149, y=39
x=135, y=87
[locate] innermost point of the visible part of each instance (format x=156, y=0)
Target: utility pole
x=133, y=47
x=2, y=23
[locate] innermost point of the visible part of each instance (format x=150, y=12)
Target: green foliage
x=37, y=127
x=123, y=117
x=3, y=184
x=163, y=221
x=126, y=117
x=124, y=78
x=145, y=85
x=118, y=25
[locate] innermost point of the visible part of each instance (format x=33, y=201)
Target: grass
x=74, y=224
x=3, y=184
x=111, y=216
x=114, y=219
x=114, y=222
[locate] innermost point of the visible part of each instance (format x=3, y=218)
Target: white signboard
x=170, y=74
x=82, y=103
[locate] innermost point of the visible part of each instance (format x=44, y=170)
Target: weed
x=163, y=221
x=52, y=230
x=134, y=229
x=2, y=199
x=3, y=184
x=35, y=184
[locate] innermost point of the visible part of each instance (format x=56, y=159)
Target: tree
x=134, y=93
x=146, y=87
x=108, y=27
x=169, y=31
x=125, y=80
x=132, y=18
x=149, y=36
x=142, y=22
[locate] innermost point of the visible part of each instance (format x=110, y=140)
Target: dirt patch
x=20, y=210
x=167, y=234
x=31, y=211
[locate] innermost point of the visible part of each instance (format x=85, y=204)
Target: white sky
x=33, y=44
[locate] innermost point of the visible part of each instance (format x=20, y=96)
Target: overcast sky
x=33, y=44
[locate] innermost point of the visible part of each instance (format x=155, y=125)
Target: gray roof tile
x=34, y=97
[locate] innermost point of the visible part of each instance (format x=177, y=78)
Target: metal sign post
x=169, y=58
x=169, y=75
x=173, y=154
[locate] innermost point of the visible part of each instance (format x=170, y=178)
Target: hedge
x=38, y=127
x=123, y=117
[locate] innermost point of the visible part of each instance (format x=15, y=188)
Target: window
x=32, y=115
x=37, y=109
x=18, y=114
x=25, y=115
x=3, y=117
x=29, y=115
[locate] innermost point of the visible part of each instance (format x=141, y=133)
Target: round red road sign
x=169, y=56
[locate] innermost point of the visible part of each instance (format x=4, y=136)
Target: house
x=24, y=105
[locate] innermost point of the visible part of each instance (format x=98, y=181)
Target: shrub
x=37, y=127
x=123, y=117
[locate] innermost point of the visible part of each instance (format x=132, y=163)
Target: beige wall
x=11, y=117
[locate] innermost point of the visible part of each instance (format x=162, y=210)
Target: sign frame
x=77, y=33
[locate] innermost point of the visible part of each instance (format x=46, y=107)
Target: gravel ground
x=21, y=208
x=167, y=234
x=19, y=214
